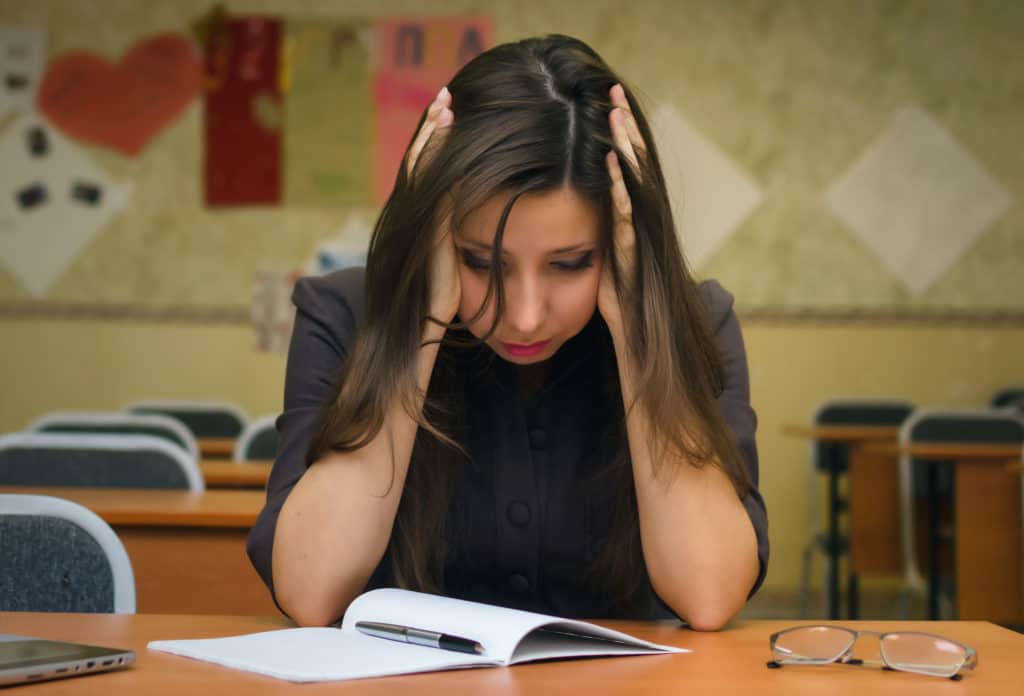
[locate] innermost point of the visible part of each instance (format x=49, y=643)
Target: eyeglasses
x=905, y=651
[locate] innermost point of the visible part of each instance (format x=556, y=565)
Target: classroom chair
x=114, y=422
x=258, y=440
x=831, y=459
x=927, y=479
x=101, y=461
x=1008, y=397
x=206, y=419
x=60, y=556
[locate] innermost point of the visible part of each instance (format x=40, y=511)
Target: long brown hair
x=530, y=116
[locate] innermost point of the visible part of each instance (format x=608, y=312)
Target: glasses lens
x=923, y=653
x=812, y=644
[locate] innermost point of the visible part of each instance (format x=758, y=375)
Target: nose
x=526, y=307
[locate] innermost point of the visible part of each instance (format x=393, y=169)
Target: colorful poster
x=53, y=202
x=22, y=57
x=121, y=105
x=243, y=113
x=414, y=58
x=327, y=132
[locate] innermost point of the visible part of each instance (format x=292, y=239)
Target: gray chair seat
x=107, y=461
x=258, y=440
x=118, y=422
x=205, y=419
x=60, y=556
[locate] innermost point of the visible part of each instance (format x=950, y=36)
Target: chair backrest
x=60, y=556
x=854, y=411
x=258, y=440
x=966, y=425
x=204, y=418
x=952, y=426
x=118, y=422
x=106, y=461
x=1008, y=397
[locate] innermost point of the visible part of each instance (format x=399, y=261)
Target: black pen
x=418, y=636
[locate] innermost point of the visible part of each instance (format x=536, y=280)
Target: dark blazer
x=529, y=512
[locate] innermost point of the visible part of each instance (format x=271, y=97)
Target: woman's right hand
x=445, y=290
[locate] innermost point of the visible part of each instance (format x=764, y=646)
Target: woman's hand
x=445, y=291
x=630, y=143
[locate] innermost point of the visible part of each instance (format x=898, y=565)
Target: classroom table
x=220, y=447
x=230, y=473
x=987, y=526
x=187, y=549
x=728, y=662
x=874, y=505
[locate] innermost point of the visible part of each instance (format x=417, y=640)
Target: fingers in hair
x=618, y=96
x=621, y=138
x=439, y=115
x=620, y=196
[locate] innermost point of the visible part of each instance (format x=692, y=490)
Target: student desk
x=987, y=519
x=229, y=473
x=187, y=550
x=220, y=447
x=728, y=662
x=874, y=503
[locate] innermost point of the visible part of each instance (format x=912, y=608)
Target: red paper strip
x=244, y=113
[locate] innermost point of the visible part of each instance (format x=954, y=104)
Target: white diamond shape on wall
x=710, y=195
x=918, y=199
x=53, y=202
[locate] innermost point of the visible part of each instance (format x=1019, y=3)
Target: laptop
x=24, y=659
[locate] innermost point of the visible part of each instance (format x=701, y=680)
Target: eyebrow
x=584, y=246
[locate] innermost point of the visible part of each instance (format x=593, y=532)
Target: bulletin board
x=826, y=160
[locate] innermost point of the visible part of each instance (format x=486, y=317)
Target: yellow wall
x=47, y=365
x=792, y=90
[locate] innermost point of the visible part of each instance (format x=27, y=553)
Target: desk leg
x=833, y=541
x=988, y=543
x=933, y=541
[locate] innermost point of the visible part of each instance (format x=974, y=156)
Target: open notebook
x=508, y=636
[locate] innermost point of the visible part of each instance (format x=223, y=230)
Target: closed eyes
x=480, y=263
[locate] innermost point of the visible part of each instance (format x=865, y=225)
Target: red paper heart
x=121, y=105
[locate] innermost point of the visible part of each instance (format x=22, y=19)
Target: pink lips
x=524, y=351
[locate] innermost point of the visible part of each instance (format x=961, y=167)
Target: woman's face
x=550, y=268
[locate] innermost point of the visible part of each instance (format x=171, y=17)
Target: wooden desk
x=989, y=547
x=873, y=504
x=187, y=550
x=229, y=473
x=220, y=447
x=728, y=662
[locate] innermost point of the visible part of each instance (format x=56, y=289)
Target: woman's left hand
x=630, y=143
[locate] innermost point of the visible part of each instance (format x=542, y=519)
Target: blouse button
x=518, y=513
x=518, y=583
x=538, y=439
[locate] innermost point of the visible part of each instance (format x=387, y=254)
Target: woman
x=527, y=400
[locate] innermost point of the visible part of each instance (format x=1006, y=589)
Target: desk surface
x=731, y=661
x=842, y=433
x=229, y=473
x=950, y=450
x=161, y=508
x=216, y=446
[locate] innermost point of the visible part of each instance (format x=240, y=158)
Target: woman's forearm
x=699, y=544
x=335, y=525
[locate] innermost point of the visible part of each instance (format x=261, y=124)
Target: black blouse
x=530, y=510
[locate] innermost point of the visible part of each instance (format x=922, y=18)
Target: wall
x=724, y=64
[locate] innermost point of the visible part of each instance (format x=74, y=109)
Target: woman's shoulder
x=718, y=302
x=332, y=296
